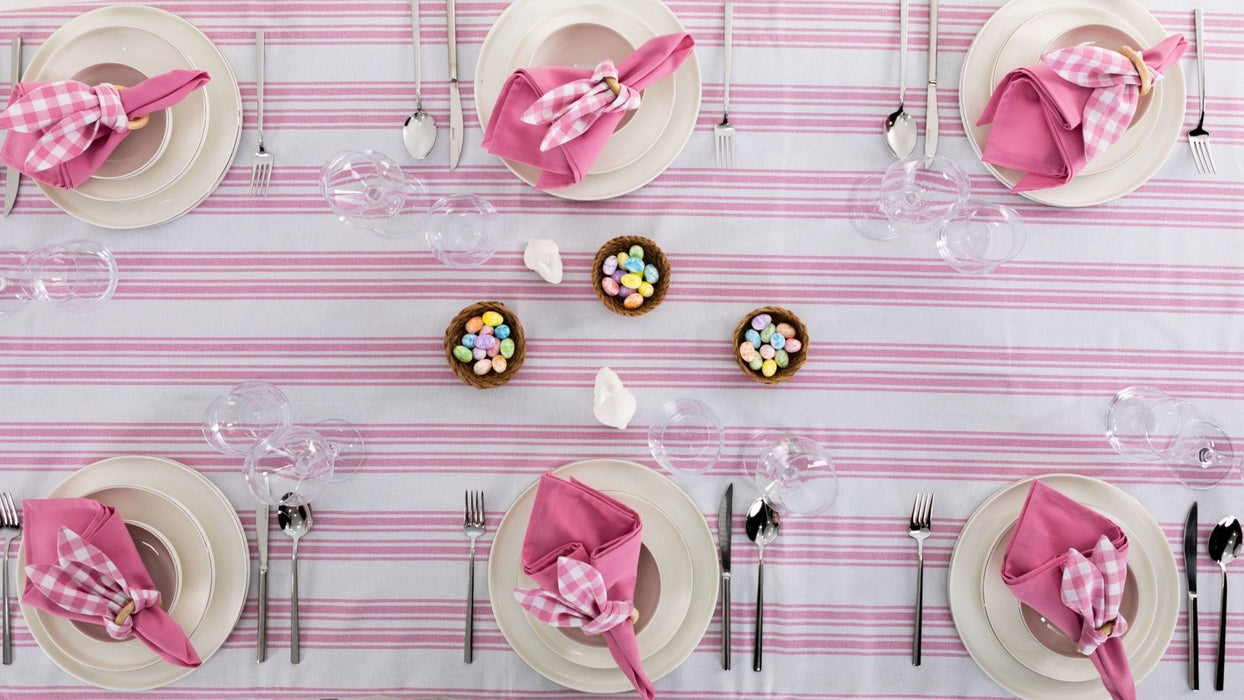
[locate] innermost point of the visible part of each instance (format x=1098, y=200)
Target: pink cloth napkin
x=82, y=131
x=101, y=527
x=571, y=520
x=508, y=136
x=1039, y=116
x=1033, y=568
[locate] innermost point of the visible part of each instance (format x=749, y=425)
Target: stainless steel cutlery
x=261, y=542
x=762, y=528
x=12, y=176
x=10, y=528
x=930, y=128
x=1190, y=553
x=455, y=95
x=1224, y=546
x=1198, y=137
x=900, y=129
x=725, y=514
x=295, y=521
x=920, y=528
x=473, y=526
x=261, y=162
x=723, y=133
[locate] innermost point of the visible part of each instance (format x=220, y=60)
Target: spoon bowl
x=419, y=133
x=762, y=528
x=900, y=133
x=1224, y=547
x=296, y=521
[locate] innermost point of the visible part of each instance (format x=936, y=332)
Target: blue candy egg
x=752, y=337
x=634, y=265
x=468, y=340
x=778, y=341
x=651, y=275
x=502, y=332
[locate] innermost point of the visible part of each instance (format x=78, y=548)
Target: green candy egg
x=636, y=251
x=757, y=362
x=767, y=333
x=507, y=348
x=462, y=353
x=782, y=358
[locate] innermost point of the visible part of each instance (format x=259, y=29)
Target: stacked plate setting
x=676, y=592
x=180, y=157
x=194, y=547
x=1020, y=32
x=548, y=32
x=1011, y=643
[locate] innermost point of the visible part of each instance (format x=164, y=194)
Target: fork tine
x=481, y=507
x=915, y=510
x=1206, y=157
x=466, y=518
x=927, y=516
x=10, y=511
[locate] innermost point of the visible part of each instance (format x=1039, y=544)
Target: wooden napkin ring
x=1146, y=78
x=634, y=616
x=124, y=613
x=613, y=85
x=135, y=125
x=1107, y=628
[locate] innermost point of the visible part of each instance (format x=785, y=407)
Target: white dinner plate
x=969, y=564
x=1037, y=36
x=976, y=85
x=230, y=562
x=224, y=119
x=612, y=33
x=493, y=68
x=616, y=477
x=183, y=535
x=151, y=55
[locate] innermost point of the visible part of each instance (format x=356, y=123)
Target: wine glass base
x=348, y=442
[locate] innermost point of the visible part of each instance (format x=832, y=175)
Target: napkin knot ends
x=84, y=580
x=1092, y=587
x=69, y=115
x=581, y=600
x=572, y=108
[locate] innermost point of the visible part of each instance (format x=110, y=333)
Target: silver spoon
x=296, y=522
x=419, y=131
x=1224, y=545
x=900, y=128
x=762, y=528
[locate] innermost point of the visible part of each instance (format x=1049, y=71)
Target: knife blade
x=930, y=130
x=725, y=516
x=455, y=97
x=261, y=541
x=1190, y=552
x=13, y=178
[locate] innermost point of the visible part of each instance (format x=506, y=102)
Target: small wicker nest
x=464, y=370
x=780, y=315
x=652, y=255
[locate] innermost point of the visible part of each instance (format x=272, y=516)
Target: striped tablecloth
x=919, y=378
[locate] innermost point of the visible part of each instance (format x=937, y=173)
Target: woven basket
x=652, y=255
x=457, y=328
x=780, y=315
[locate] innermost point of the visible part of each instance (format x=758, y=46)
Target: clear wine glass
x=292, y=466
x=368, y=190
x=461, y=230
x=251, y=411
x=76, y=275
x=980, y=236
x=685, y=437
x=1144, y=422
x=794, y=473
x=14, y=282
x=914, y=195
x=1203, y=455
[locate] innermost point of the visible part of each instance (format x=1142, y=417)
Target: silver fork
x=1198, y=138
x=920, y=528
x=473, y=526
x=10, y=527
x=723, y=133
x=261, y=162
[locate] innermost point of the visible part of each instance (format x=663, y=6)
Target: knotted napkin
x=81, y=564
x=61, y=132
x=574, y=522
x=581, y=600
x=1093, y=589
x=566, y=161
x=1050, y=119
x=1050, y=529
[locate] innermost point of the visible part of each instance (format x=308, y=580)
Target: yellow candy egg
x=631, y=281
x=769, y=368
x=622, y=257
x=492, y=318
x=646, y=289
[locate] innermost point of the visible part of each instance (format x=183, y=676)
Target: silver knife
x=725, y=516
x=13, y=178
x=455, y=98
x=930, y=130
x=1190, y=550
x=261, y=541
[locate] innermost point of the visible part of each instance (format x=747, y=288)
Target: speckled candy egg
x=793, y=345
x=492, y=318
x=786, y=330
x=651, y=274
x=463, y=354
x=484, y=342
x=756, y=362
x=746, y=351
x=633, y=301
x=778, y=341
x=609, y=266
x=482, y=367
x=760, y=321
x=752, y=337
x=781, y=358
x=507, y=348
x=499, y=364
x=767, y=333
x=634, y=265
x=609, y=286
x=468, y=341
x=473, y=324
x=767, y=351
x=647, y=289
x=631, y=281
x=479, y=353
x=636, y=251
x=502, y=332
x=768, y=368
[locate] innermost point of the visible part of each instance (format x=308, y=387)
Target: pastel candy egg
x=634, y=265
x=756, y=362
x=610, y=264
x=487, y=330
x=463, y=354
x=767, y=333
x=752, y=337
x=636, y=251
x=468, y=340
x=769, y=368
x=484, y=342
x=778, y=341
x=499, y=364
x=634, y=301
x=631, y=281
x=746, y=351
x=651, y=273
x=621, y=257
x=781, y=358
x=793, y=345
x=482, y=367
x=473, y=324
x=506, y=348
x=767, y=351
x=502, y=331
x=492, y=318
x=623, y=291
x=617, y=275
x=492, y=351
x=759, y=321
x=479, y=353
x=786, y=330
x=647, y=289
x=609, y=286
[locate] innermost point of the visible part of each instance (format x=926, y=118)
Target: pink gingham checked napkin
x=573, y=108
x=509, y=136
x=1034, y=566
x=1093, y=589
x=581, y=600
x=570, y=520
x=60, y=133
x=1050, y=119
x=85, y=575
